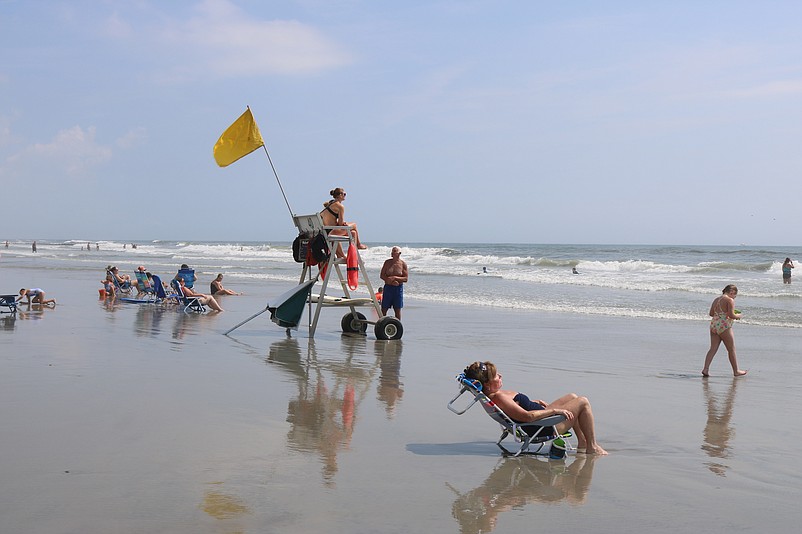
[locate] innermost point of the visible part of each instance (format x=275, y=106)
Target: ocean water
x=676, y=282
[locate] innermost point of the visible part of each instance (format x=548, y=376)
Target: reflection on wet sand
x=186, y=323
x=718, y=431
x=227, y=509
x=148, y=320
x=516, y=482
x=8, y=321
x=323, y=415
x=31, y=311
x=390, y=389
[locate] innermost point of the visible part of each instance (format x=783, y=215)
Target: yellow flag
x=240, y=139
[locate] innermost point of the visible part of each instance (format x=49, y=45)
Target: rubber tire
x=352, y=326
x=389, y=328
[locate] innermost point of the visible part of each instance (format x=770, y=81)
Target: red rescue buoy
x=352, y=268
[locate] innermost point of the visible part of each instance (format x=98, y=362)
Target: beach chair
x=538, y=433
x=144, y=285
x=188, y=275
x=192, y=304
x=9, y=302
x=161, y=295
x=125, y=288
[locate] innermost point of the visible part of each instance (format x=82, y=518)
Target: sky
x=616, y=122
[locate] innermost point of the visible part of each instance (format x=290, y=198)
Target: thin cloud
x=224, y=41
x=132, y=139
x=771, y=89
x=74, y=150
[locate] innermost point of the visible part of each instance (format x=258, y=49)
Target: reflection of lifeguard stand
x=352, y=322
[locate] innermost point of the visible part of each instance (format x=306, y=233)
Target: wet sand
x=132, y=418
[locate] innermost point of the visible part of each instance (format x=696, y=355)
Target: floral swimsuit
x=720, y=322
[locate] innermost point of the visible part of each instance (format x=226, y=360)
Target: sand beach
x=131, y=418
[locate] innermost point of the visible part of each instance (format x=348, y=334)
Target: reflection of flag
x=240, y=139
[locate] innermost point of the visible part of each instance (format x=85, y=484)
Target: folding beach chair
x=144, y=285
x=538, y=433
x=10, y=302
x=161, y=295
x=193, y=304
x=188, y=275
x=125, y=288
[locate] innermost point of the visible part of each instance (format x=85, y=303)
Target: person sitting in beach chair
x=122, y=282
x=35, y=295
x=144, y=283
x=527, y=434
x=187, y=275
x=523, y=413
x=194, y=301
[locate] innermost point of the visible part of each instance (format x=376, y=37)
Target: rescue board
x=342, y=301
x=135, y=301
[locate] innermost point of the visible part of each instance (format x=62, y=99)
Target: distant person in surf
x=333, y=214
x=723, y=315
x=573, y=270
x=787, y=266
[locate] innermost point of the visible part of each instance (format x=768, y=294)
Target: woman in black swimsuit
x=576, y=409
x=333, y=214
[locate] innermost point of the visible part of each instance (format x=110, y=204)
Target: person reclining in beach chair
x=194, y=301
x=528, y=421
x=527, y=434
x=144, y=283
x=122, y=282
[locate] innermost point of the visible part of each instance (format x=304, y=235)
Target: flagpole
x=277, y=180
x=287, y=202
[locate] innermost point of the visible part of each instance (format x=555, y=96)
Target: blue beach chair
x=161, y=295
x=538, y=433
x=10, y=302
x=192, y=304
x=188, y=275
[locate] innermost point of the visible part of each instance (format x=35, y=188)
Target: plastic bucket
x=102, y=292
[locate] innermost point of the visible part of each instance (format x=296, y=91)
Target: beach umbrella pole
x=246, y=320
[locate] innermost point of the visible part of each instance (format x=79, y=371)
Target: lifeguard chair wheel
x=389, y=328
x=354, y=323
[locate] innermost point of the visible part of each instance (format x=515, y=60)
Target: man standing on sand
x=395, y=274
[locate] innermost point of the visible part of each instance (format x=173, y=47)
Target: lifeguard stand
x=353, y=321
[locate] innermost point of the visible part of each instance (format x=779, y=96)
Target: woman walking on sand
x=723, y=314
